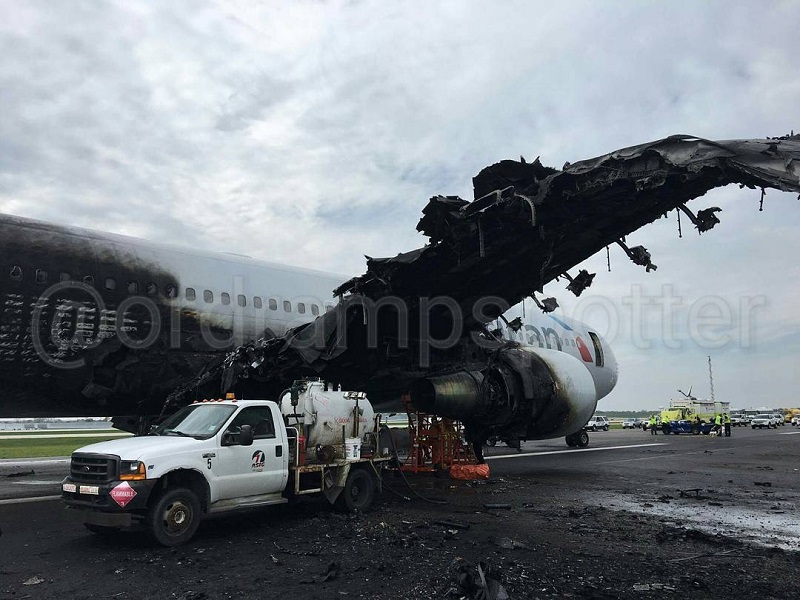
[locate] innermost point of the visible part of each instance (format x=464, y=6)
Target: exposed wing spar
x=528, y=225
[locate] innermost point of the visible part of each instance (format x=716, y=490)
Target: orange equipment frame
x=435, y=443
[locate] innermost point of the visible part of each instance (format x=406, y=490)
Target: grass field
x=33, y=448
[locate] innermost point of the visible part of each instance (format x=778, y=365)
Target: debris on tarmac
x=486, y=586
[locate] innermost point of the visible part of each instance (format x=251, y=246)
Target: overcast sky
x=313, y=133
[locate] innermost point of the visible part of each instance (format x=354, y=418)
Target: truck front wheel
x=359, y=491
x=173, y=519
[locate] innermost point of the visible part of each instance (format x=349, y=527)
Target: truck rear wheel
x=174, y=517
x=359, y=491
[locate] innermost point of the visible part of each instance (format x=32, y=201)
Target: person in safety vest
x=718, y=424
x=652, y=425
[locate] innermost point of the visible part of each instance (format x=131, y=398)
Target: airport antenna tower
x=711, y=378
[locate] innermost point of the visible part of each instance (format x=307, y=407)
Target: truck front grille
x=93, y=468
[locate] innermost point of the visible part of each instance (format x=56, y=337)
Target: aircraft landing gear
x=578, y=440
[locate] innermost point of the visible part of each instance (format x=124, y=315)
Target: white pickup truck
x=224, y=455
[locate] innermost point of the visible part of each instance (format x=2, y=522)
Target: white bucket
x=352, y=448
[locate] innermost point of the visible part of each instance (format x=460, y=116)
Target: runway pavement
x=746, y=487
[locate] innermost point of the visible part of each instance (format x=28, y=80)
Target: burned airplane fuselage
x=99, y=324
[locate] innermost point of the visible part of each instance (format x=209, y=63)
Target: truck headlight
x=132, y=470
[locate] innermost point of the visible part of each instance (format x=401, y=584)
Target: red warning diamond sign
x=122, y=494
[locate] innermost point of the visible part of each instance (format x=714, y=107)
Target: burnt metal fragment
x=639, y=255
x=547, y=305
x=705, y=219
x=580, y=282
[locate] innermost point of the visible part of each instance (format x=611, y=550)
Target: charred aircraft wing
x=527, y=225
x=530, y=224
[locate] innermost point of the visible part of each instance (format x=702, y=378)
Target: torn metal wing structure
x=415, y=324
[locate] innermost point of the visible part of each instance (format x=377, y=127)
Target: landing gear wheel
x=583, y=439
x=572, y=440
x=359, y=491
x=173, y=519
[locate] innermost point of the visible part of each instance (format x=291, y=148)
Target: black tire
x=174, y=517
x=359, y=491
x=605, y=428
x=101, y=529
x=582, y=439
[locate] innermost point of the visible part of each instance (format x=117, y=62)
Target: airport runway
x=748, y=489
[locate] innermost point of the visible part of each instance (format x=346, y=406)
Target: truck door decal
x=259, y=459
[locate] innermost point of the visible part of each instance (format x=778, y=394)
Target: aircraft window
x=41, y=276
x=172, y=291
x=287, y=306
x=89, y=280
x=226, y=298
x=64, y=277
x=191, y=294
x=16, y=273
x=257, y=302
x=208, y=296
x=241, y=300
x=314, y=310
x=111, y=283
x=133, y=287
x=273, y=304
x=152, y=289
x=301, y=308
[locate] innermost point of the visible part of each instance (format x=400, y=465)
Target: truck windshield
x=196, y=420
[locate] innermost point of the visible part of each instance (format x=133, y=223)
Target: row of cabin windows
x=272, y=303
x=40, y=276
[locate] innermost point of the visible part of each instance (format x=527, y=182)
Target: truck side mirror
x=246, y=435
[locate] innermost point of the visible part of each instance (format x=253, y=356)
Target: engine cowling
x=523, y=392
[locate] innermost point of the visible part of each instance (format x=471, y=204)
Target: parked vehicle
x=795, y=420
x=692, y=415
x=228, y=455
x=779, y=420
x=633, y=423
x=739, y=420
x=763, y=420
x=598, y=422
